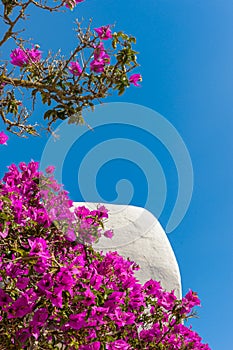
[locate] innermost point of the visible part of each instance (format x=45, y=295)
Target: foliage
x=57, y=292
x=65, y=85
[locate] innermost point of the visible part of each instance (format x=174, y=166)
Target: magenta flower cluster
x=57, y=292
x=26, y=57
x=101, y=58
x=97, y=65
x=75, y=68
x=50, y=205
x=104, y=32
x=134, y=78
x=3, y=138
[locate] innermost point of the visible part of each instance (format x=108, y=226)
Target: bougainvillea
x=66, y=84
x=135, y=78
x=3, y=138
x=57, y=292
x=25, y=57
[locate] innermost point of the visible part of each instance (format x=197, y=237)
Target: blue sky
x=186, y=57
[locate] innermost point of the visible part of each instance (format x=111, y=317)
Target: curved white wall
x=139, y=236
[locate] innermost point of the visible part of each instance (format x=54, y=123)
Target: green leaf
x=114, y=43
x=61, y=115
x=132, y=39
x=4, y=216
x=49, y=114
x=5, y=199
x=92, y=106
x=20, y=251
x=45, y=98
x=121, y=91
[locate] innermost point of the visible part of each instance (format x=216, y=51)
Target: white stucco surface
x=139, y=236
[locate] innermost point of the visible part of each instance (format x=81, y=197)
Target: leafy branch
x=65, y=92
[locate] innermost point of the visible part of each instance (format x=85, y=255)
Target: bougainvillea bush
x=57, y=292
x=101, y=62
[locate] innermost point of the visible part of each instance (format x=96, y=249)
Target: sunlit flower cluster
x=75, y=68
x=56, y=291
x=20, y=57
x=135, y=78
x=3, y=138
x=104, y=32
x=101, y=58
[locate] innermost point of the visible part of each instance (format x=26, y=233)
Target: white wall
x=139, y=236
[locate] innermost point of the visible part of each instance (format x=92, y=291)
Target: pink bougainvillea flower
x=40, y=316
x=34, y=55
x=101, y=58
x=104, y=32
x=22, y=282
x=38, y=247
x=5, y=299
x=77, y=321
x=100, y=213
x=56, y=298
x=50, y=169
x=82, y=212
x=92, y=346
x=23, y=335
x=192, y=298
x=75, y=68
x=20, y=57
x=20, y=308
x=65, y=280
x=135, y=78
x=108, y=234
x=118, y=344
x=3, y=138
x=45, y=284
x=100, y=53
x=97, y=66
x=189, y=301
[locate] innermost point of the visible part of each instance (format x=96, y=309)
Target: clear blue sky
x=186, y=57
